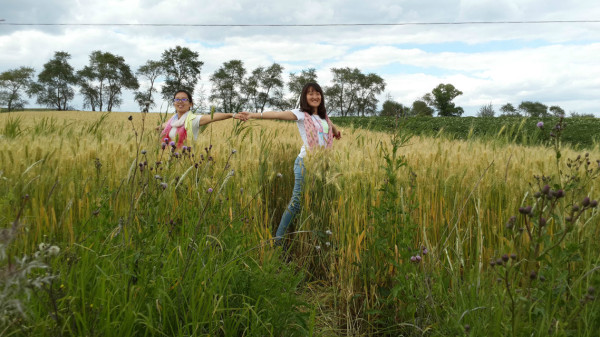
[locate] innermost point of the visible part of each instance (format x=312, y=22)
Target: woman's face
x=182, y=102
x=313, y=98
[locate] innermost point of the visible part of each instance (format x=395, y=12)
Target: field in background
x=396, y=236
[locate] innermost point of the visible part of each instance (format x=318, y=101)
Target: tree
x=421, y=109
x=228, y=82
x=342, y=94
x=264, y=87
x=182, y=70
x=441, y=99
x=150, y=72
x=295, y=85
x=369, y=86
x=391, y=108
x=13, y=84
x=486, y=111
x=557, y=111
x=54, y=87
x=509, y=110
x=103, y=79
x=533, y=109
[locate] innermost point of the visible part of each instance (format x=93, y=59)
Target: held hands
x=337, y=134
x=242, y=115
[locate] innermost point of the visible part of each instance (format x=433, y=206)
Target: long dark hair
x=304, y=106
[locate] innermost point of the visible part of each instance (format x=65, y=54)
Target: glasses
x=175, y=100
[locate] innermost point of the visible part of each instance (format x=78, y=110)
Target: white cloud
x=551, y=63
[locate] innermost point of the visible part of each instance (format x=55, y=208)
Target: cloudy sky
x=553, y=63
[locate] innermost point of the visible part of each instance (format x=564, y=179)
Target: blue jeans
x=295, y=204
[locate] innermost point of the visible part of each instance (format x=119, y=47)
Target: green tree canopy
x=295, y=85
x=391, y=108
x=533, y=109
x=103, y=80
x=441, y=98
x=182, y=70
x=14, y=84
x=149, y=72
x=264, y=87
x=55, y=83
x=509, y=110
x=421, y=109
x=557, y=111
x=486, y=111
x=228, y=84
x=353, y=92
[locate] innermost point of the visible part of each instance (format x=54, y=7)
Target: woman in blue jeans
x=316, y=130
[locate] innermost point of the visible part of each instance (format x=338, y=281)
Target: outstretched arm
x=217, y=116
x=281, y=115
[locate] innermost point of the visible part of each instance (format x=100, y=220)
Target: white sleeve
x=299, y=114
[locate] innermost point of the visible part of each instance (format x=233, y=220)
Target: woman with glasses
x=184, y=121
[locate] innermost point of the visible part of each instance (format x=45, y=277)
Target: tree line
x=103, y=80
x=234, y=88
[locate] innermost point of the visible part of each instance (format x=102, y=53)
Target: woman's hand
x=242, y=115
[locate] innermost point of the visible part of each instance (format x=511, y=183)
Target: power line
x=298, y=25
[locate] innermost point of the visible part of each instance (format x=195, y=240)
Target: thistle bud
x=585, y=202
x=513, y=256
x=533, y=275
x=575, y=208
x=499, y=261
x=542, y=222
x=546, y=189
x=505, y=257
x=593, y=203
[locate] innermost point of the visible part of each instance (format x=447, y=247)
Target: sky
x=551, y=63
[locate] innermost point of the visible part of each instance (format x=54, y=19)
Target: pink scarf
x=312, y=133
x=181, y=133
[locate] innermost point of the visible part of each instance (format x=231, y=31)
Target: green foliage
x=533, y=109
x=441, y=98
x=181, y=67
x=581, y=133
x=54, y=86
x=295, y=85
x=14, y=84
x=353, y=92
x=150, y=71
x=228, y=85
x=264, y=87
x=103, y=80
x=12, y=127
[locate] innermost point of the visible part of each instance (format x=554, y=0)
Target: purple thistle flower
x=418, y=257
x=172, y=144
x=165, y=139
x=163, y=145
x=413, y=258
x=210, y=190
x=540, y=125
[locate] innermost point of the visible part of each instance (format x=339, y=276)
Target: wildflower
x=157, y=177
x=317, y=247
x=540, y=125
x=546, y=189
x=533, y=275
x=575, y=208
x=413, y=258
x=513, y=256
x=418, y=257
x=143, y=151
x=233, y=151
x=499, y=261
x=593, y=203
x=210, y=190
x=505, y=257
x=328, y=232
x=42, y=246
x=130, y=118
x=165, y=140
x=164, y=186
x=184, y=149
x=585, y=202
x=327, y=244
x=176, y=154
x=53, y=250
x=542, y=222
x=279, y=175
x=172, y=144
x=424, y=250
x=163, y=145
